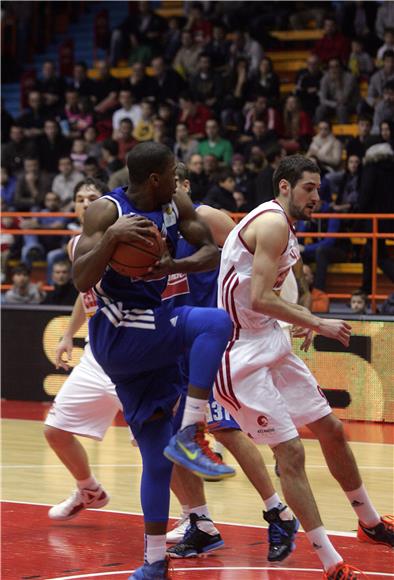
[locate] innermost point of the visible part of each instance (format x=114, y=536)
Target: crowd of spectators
x=213, y=96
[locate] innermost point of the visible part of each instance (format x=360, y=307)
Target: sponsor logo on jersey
x=262, y=421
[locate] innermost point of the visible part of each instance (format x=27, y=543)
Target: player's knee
x=290, y=456
x=56, y=437
x=220, y=323
x=335, y=431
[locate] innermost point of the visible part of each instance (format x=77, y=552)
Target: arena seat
x=297, y=35
x=345, y=130
x=288, y=55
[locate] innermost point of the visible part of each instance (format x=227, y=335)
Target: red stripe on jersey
x=228, y=371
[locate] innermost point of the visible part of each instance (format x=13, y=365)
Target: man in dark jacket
x=64, y=292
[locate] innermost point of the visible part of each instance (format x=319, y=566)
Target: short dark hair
x=388, y=54
x=91, y=182
x=223, y=174
x=111, y=146
x=91, y=160
x=21, y=269
x=291, y=168
x=147, y=158
x=273, y=152
x=182, y=172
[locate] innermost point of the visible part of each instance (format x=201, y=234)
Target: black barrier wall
x=358, y=381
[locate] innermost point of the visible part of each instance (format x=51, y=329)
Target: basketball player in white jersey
x=267, y=389
x=87, y=403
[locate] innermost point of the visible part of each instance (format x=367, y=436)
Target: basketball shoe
x=81, y=499
x=176, y=534
x=383, y=533
x=200, y=537
x=281, y=533
x=343, y=571
x=189, y=448
x=156, y=571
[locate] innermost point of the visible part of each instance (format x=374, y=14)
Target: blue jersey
x=129, y=293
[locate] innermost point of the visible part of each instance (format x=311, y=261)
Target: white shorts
x=87, y=402
x=267, y=389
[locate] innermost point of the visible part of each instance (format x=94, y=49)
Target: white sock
x=206, y=524
x=155, y=548
x=194, y=412
x=201, y=510
x=185, y=511
x=89, y=483
x=325, y=551
x=363, y=507
x=272, y=502
x=218, y=447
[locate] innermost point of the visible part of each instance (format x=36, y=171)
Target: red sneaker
x=383, y=533
x=343, y=571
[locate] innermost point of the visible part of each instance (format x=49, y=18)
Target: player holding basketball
x=201, y=535
x=137, y=340
x=268, y=390
x=87, y=402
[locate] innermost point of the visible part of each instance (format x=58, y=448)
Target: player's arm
x=304, y=294
x=271, y=234
x=102, y=230
x=77, y=319
x=218, y=222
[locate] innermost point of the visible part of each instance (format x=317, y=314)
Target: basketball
x=134, y=259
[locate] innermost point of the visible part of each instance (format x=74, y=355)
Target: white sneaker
x=81, y=499
x=178, y=531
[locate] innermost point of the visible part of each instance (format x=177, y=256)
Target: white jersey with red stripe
x=236, y=266
x=89, y=300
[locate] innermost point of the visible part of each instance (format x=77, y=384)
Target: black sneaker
x=195, y=541
x=281, y=534
x=381, y=534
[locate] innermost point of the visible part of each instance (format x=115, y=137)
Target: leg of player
x=205, y=333
x=342, y=465
x=89, y=493
x=283, y=525
x=197, y=533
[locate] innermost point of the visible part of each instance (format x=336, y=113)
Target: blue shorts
x=142, y=360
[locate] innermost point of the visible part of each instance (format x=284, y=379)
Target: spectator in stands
x=23, y=291
x=125, y=138
x=50, y=86
x=139, y=51
x=93, y=148
x=387, y=133
x=80, y=81
x=349, y=183
x=78, y=154
x=92, y=169
x=8, y=187
x=31, y=186
x=65, y=181
x=376, y=196
x=143, y=130
x=326, y=147
x=219, y=48
x=167, y=84
x=206, y=84
x=160, y=133
x=333, y=44
x=14, y=152
x=119, y=178
x=323, y=251
x=358, y=145
x=197, y=22
x=140, y=84
x=51, y=146
x=259, y=136
x=243, y=46
x=297, y=126
x=221, y=194
x=264, y=189
x=387, y=45
x=308, y=85
x=320, y=300
x=64, y=292
x=378, y=81
x=241, y=202
x=199, y=181
x=33, y=119
x=214, y=144
x=384, y=18
x=234, y=96
x=384, y=110
x=186, y=59
x=359, y=302
x=184, y=146
x=194, y=115
x=7, y=121
x=339, y=93
x=43, y=245
x=110, y=152
x=359, y=22
x=78, y=114
x=129, y=110
x=259, y=109
x=171, y=39
x=8, y=244
x=303, y=13
x=265, y=82
x=360, y=62
x=106, y=88
x=167, y=112
x=256, y=161
x=244, y=181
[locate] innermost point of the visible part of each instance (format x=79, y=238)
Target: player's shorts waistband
x=245, y=333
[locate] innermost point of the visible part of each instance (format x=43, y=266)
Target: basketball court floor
x=108, y=543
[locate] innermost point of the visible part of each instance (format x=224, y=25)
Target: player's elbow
x=260, y=303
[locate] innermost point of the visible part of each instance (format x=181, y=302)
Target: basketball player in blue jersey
x=196, y=532
x=137, y=340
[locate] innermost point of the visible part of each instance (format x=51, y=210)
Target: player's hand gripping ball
x=133, y=259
